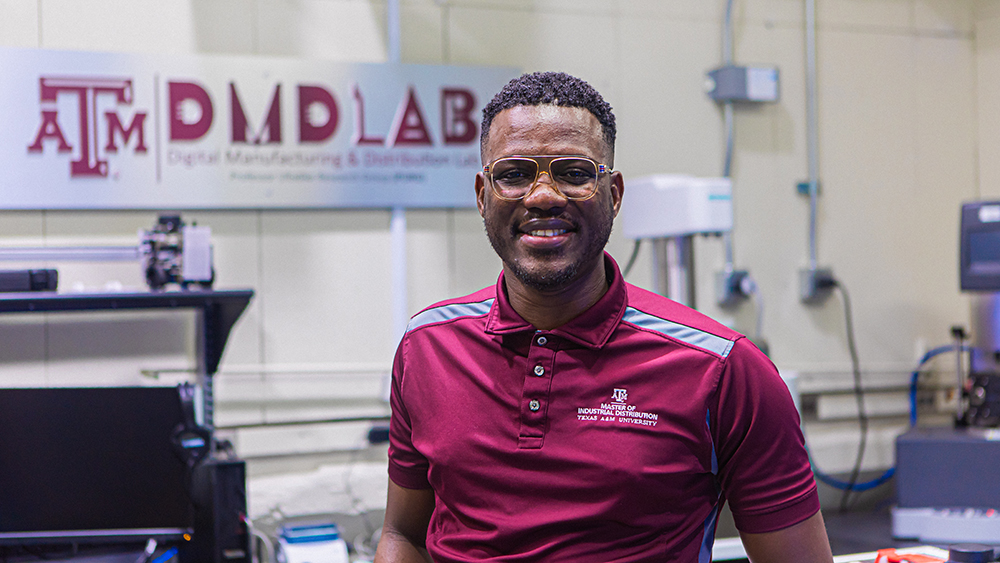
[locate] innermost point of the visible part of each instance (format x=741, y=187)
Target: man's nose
x=544, y=194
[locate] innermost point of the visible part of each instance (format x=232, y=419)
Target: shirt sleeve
x=407, y=466
x=764, y=470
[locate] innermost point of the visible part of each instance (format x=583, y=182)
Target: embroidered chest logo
x=617, y=411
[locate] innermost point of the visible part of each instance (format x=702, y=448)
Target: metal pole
x=727, y=109
x=400, y=307
x=661, y=270
x=812, y=126
x=392, y=31
x=75, y=253
x=673, y=268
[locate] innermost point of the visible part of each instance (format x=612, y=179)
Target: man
x=565, y=415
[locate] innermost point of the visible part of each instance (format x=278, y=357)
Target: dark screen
x=984, y=246
x=984, y=252
x=90, y=459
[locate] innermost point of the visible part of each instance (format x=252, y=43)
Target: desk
x=217, y=312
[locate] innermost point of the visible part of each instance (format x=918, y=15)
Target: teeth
x=547, y=232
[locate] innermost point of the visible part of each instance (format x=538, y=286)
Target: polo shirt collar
x=592, y=328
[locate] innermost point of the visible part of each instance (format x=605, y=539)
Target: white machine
x=673, y=205
x=670, y=209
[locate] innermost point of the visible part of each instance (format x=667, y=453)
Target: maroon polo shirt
x=615, y=437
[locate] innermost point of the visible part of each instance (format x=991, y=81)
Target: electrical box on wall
x=743, y=84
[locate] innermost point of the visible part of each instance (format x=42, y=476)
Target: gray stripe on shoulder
x=692, y=336
x=449, y=312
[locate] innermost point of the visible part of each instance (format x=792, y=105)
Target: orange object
x=890, y=556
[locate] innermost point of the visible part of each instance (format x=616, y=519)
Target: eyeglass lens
x=514, y=177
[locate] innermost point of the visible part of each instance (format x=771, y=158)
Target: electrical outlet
x=815, y=284
x=729, y=287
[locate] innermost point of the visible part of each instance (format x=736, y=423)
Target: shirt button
x=534, y=405
x=542, y=340
x=539, y=371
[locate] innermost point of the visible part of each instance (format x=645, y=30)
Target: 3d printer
x=945, y=477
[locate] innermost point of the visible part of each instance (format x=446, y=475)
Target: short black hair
x=555, y=88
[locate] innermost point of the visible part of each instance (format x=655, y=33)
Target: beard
x=503, y=235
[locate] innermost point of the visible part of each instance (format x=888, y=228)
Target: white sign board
x=126, y=131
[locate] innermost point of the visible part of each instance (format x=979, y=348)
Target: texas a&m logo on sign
x=116, y=131
x=86, y=92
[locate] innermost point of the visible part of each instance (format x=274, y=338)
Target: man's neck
x=546, y=310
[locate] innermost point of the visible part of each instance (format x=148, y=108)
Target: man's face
x=546, y=240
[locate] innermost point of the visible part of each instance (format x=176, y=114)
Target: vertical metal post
x=661, y=273
x=392, y=31
x=960, y=374
x=673, y=268
x=727, y=111
x=400, y=306
x=812, y=127
x=204, y=395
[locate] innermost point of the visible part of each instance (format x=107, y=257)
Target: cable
x=354, y=498
x=631, y=259
x=856, y=487
x=265, y=546
x=916, y=375
x=147, y=553
x=859, y=395
x=889, y=473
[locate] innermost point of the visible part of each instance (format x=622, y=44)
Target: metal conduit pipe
x=812, y=127
x=400, y=304
x=727, y=110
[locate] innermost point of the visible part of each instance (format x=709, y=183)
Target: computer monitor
x=91, y=465
x=979, y=250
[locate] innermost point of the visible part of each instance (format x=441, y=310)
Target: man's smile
x=544, y=233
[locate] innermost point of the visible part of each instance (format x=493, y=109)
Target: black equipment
x=91, y=465
x=979, y=250
x=220, y=499
x=12, y=281
x=117, y=465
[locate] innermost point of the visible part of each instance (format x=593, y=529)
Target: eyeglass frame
x=601, y=169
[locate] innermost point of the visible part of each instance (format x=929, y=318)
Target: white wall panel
x=666, y=122
x=135, y=26
x=987, y=106
x=953, y=17
x=421, y=27
x=326, y=286
x=346, y=30
x=476, y=265
x=226, y=26
x=883, y=14
x=19, y=23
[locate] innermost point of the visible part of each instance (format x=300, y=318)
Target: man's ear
x=481, y=192
x=617, y=190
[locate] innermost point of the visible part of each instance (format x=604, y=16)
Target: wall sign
x=122, y=131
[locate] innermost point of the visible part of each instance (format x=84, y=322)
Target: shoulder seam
x=693, y=337
x=449, y=312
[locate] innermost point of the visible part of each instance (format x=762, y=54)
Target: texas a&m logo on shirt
x=617, y=411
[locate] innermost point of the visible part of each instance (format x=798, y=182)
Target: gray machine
x=946, y=477
x=171, y=253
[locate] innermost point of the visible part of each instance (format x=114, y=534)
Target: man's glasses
x=514, y=177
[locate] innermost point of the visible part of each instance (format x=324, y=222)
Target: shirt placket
x=535, y=392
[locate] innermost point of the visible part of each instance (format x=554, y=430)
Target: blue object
x=310, y=533
x=167, y=556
